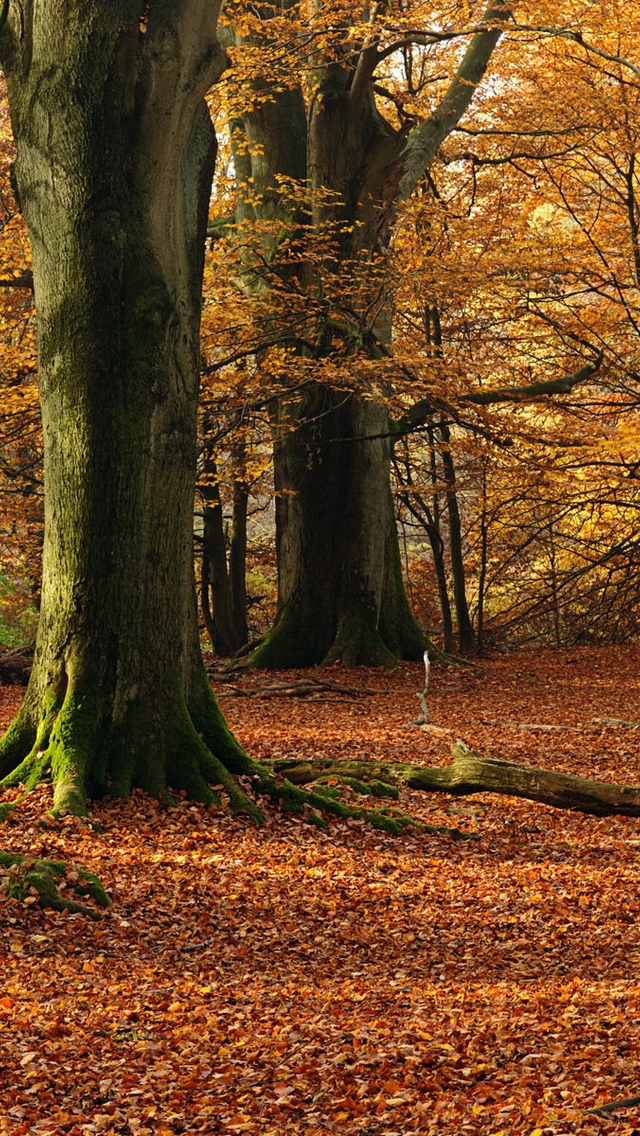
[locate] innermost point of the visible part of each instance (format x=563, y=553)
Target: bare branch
x=577, y=37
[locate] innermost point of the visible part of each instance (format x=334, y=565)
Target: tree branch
x=534, y=390
x=425, y=140
x=577, y=37
x=417, y=415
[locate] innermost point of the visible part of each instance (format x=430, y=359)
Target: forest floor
x=287, y=980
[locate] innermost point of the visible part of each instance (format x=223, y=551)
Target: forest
x=319, y=361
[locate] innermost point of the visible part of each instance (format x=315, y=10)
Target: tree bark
x=115, y=158
x=469, y=773
x=340, y=589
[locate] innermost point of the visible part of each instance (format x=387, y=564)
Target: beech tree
x=340, y=589
x=115, y=155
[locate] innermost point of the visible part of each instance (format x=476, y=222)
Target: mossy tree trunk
x=115, y=158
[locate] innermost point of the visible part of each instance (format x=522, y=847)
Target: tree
x=115, y=154
x=341, y=593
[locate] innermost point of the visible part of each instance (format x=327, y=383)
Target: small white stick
x=421, y=695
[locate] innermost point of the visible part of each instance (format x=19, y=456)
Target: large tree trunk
x=115, y=158
x=340, y=589
x=341, y=593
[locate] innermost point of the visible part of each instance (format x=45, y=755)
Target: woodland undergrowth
x=288, y=979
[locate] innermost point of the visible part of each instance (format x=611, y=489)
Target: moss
x=89, y=884
x=31, y=769
x=27, y=876
x=209, y=722
x=358, y=642
x=292, y=642
x=317, y=820
x=382, y=821
x=305, y=801
x=15, y=744
x=191, y=764
x=72, y=744
x=329, y=791
x=28, y=768
x=371, y=788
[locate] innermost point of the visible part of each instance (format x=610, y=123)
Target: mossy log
x=468, y=773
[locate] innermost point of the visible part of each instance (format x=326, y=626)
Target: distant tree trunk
x=238, y=558
x=358, y=167
x=223, y=592
x=482, y=575
x=553, y=585
x=466, y=638
x=217, y=596
x=434, y=531
x=429, y=519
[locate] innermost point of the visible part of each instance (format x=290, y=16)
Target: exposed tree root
x=469, y=773
x=85, y=754
x=313, y=803
x=24, y=877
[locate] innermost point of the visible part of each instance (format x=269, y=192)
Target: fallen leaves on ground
x=284, y=980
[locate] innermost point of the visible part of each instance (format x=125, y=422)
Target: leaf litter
x=284, y=980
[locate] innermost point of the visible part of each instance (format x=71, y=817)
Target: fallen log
x=468, y=773
x=312, y=688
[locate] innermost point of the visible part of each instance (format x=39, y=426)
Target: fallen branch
x=628, y=1102
x=311, y=688
x=469, y=773
x=596, y=725
x=539, y=727
x=616, y=723
x=200, y=945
